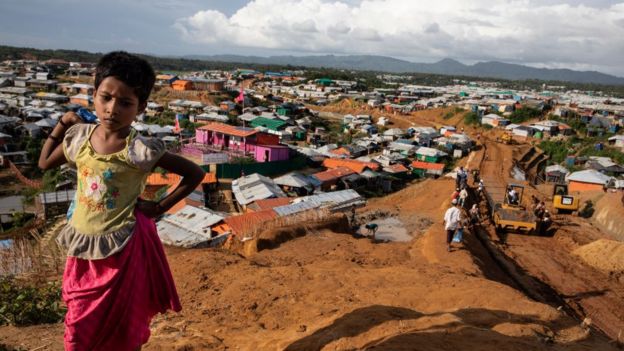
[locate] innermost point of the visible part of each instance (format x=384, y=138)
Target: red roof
x=331, y=174
x=354, y=165
x=428, y=165
x=245, y=223
x=228, y=129
x=267, y=204
x=397, y=168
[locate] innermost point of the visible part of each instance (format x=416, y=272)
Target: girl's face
x=116, y=104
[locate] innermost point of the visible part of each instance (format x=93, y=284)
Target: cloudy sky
x=576, y=34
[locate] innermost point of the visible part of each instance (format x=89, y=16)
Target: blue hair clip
x=86, y=115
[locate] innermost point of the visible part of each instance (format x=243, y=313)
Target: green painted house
x=428, y=154
x=271, y=124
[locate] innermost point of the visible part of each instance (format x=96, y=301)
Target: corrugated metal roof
x=11, y=204
x=589, y=176
x=267, y=204
x=293, y=179
x=255, y=187
x=273, y=124
x=336, y=200
x=247, y=222
x=189, y=227
x=427, y=151
x=556, y=168
x=57, y=196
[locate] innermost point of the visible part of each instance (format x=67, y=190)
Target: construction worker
x=544, y=223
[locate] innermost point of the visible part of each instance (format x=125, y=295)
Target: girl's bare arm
x=191, y=174
x=52, y=152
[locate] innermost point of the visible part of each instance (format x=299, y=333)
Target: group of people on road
x=456, y=219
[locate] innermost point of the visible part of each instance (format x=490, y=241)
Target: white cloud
x=548, y=34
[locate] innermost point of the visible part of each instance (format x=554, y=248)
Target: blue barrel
x=570, y=161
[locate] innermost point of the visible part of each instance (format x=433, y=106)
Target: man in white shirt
x=463, y=196
x=452, y=221
x=513, y=197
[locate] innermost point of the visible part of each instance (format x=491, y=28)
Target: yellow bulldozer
x=509, y=214
x=563, y=202
x=505, y=138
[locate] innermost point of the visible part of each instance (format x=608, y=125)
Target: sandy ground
x=329, y=290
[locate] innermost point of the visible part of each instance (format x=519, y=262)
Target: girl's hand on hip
x=151, y=209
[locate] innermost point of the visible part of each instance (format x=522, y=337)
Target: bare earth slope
x=332, y=291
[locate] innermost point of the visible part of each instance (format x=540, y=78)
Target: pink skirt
x=110, y=302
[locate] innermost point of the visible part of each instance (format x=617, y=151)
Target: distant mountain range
x=490, y=69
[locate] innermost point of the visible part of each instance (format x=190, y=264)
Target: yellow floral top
x=108, y=188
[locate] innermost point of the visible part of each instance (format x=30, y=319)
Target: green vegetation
x=166, y=118
x=449, y=115
x=188, y=125
x=573, y=120
x=556, y=150
x=454, y=112
x=524, y=114
x=27, y=304
x=29, y=194
x=472, y=118
x=50, y=179
x=590, y=150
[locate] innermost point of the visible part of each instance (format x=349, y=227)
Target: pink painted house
x=263, y=147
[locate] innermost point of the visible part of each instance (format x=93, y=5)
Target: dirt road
x=587, y=292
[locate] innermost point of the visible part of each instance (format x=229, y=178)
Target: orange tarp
x=171, y=179
x=331, y=174
x=354, y=165
x=209, y=178
x=428, y=165
x=160, y=179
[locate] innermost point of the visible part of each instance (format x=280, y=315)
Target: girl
x=116, y=277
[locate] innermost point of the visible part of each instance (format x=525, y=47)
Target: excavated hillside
x=331, y=290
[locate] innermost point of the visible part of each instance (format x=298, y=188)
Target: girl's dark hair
x=134, y=71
